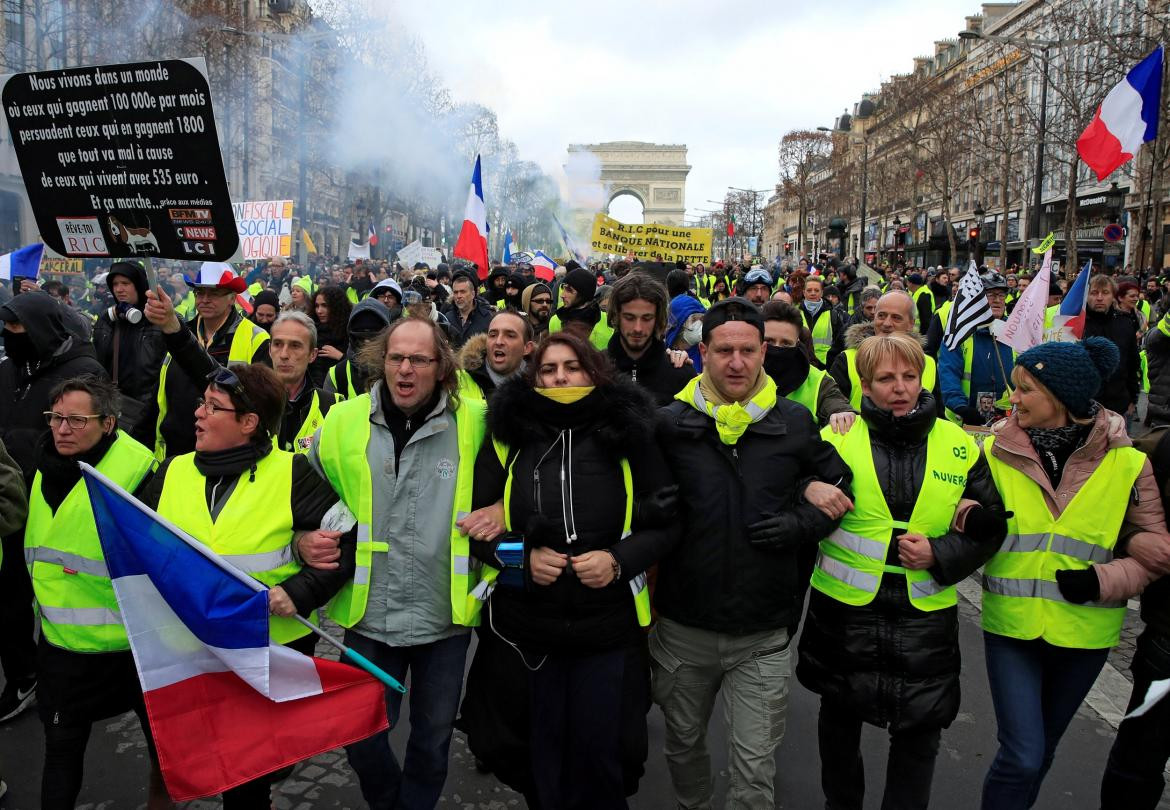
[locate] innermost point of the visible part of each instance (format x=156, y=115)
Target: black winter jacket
x=652, y=371
x=141, y=350
x=1121, y=390
x=889, y=662
x=478, y=321
x=1157, y=346
x=48, y=354
x=716, y=579
x=586, y=440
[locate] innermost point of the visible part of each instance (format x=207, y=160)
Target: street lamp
x=897, y=236
x=864, y=110
x=1042, y=129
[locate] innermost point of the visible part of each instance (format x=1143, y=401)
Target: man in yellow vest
x=248, y=502
x=489, y=360
x=787, y=362
x=577, y=294
x=894, y=313
x=293, y=347
x=85, y=669
x=219, y=335
x=401, y=458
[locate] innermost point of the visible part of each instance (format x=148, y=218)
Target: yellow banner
x=1046, y=245
x=650, y=242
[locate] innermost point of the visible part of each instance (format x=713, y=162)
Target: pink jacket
x=1145, y=522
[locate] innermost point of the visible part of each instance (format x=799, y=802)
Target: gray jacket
x=410, y=585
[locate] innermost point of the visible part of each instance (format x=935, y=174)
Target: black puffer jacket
x=716, y=579
x=1121, y=389
x=652, y=371
x=1157, y=346
x=47, y=354
x=887, y=661
x=141, y=349
x=586, y=440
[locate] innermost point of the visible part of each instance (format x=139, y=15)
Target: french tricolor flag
x=1127, y=118
x=24, y=262
x=543, y=267
x=473, y=236
x=1070, y=319
x=372, y=236
x=225, y=704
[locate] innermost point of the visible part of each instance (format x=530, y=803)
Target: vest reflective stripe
x=76, y=601
x=929, y=377
x=808, y=393
x=638, y=587
x=342, y=452
x=246, y=340
x=852, y=560
x=822, y=331
x=254, y=529
x=313, y=420
x=919, y=294
x=1021, y=598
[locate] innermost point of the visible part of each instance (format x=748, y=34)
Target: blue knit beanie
x=1073, y=372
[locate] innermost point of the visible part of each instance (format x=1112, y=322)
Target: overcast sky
x=725, y=78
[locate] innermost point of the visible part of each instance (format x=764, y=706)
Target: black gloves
x=971, y=415
x=982, y=522
x=1079, y=586
x=658, y=508
x=783, y=532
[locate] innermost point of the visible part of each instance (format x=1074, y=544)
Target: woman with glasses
x=85, y=668
x=245, y=500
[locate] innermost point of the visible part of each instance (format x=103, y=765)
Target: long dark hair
x=593, y=363
x=339, y=310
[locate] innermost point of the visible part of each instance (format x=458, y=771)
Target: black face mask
x=19, y=346
x=787, y=366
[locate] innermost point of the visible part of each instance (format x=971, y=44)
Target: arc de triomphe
x=655, y=173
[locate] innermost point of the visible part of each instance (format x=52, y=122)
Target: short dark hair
x=595, y=364
x=640, y=286
x=782, y=311
x=105, y=395
x=677, y=282
x=266, y=397
x=55, y=288
x=528, y=332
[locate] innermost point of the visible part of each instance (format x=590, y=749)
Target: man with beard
x=536, y=303
x=489, y=360
x=638, y=315
x=265, y=308
x=577, y=305
x=757, y=286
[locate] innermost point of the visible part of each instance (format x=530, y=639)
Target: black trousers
x=18, y=651
x=1133, y=777
x=576, y=705
x=909, y=768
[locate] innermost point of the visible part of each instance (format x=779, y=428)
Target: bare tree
x=801, y=153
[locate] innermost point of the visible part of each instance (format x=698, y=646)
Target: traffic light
x=973, y=233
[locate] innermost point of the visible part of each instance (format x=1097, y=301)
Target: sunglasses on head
x=225, y=379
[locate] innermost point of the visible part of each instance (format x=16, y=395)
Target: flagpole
x=359, y=659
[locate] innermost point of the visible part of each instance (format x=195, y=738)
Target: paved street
x=117, y=759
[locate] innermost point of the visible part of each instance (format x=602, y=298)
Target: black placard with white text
x=122, y=160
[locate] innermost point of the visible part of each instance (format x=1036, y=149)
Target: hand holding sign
x=160, y=311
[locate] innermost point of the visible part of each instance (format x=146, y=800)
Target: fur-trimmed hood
x=619, y=415
x=473, y=355
x=855, y=334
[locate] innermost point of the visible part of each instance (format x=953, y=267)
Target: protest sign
x=650, y=241
x=432, y=257
x=357, y=251
x=265, y=228
x=122, y=160
x=410, y=255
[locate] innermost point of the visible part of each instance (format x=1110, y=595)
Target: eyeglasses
x=544, y=299
x=226, y=379
x=211, y=407
x=416, y=360
x=77, y=421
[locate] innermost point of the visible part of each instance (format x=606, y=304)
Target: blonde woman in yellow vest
x=247, y=500
x=573, y=446
x=85, y=669
x=1070, y=480
x=881, y=643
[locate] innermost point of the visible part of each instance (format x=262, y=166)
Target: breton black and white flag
x=969, y=311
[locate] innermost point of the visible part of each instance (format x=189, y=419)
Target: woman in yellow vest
x=1070, y=478
x=881, y=643
x=85, y=669
x=245, y=500
x=572, y=448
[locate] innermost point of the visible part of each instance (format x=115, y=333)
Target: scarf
x=233, y=461
x=567, y=395
x=1054, y=446
x=813, y=307
x=731, y=418
x=59, y=474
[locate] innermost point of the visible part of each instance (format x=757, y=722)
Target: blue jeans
x=436, y=682
x=1036, y=688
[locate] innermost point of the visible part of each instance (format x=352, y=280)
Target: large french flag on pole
x=1127, y=118
x=22, y=263
x=1069, y=322
x=473, y=236
x=225, y=704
